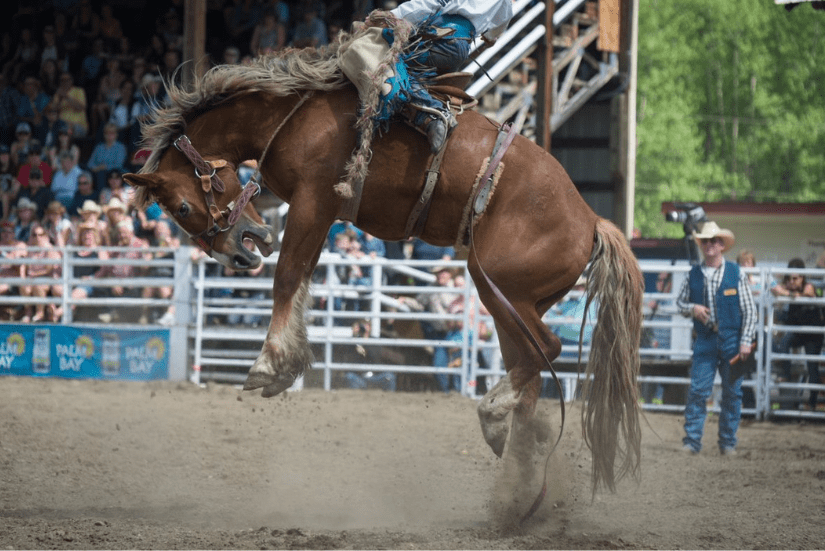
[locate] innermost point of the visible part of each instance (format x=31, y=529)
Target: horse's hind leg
x=519, y=390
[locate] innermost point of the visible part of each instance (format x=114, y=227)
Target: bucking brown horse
x=295, y=114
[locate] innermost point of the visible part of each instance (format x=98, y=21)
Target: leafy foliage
x=730, y=105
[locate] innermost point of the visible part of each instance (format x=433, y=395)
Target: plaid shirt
x=713, y=278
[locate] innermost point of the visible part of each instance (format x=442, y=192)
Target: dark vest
x=728, y=314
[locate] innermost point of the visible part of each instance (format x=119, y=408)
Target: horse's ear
x=138, y=179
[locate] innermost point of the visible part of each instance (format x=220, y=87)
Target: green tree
x=730, y=105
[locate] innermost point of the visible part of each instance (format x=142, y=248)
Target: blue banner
x=84, y=352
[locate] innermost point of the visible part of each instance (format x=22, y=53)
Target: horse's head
x=208, y=202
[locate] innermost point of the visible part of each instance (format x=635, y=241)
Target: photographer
x=716, y=294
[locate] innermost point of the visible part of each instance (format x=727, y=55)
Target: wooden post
x=194, y=40
x=544, y=75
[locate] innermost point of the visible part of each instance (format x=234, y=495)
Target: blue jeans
x=707, y=358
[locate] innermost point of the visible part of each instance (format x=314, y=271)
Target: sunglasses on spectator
x=711, y=240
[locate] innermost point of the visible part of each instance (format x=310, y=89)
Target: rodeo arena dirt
x=105, y=464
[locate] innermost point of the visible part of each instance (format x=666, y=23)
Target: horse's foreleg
x=285, y=354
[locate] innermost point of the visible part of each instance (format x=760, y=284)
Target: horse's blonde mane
x=279, y=74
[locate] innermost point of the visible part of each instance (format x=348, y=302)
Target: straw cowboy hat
x=115, y=204
x=26, y=203
x=89, y=206
x=710, y=229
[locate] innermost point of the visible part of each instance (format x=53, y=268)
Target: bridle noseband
x=207, y=173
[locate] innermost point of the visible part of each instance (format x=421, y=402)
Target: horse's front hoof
x=258, y=380
x=285, y=380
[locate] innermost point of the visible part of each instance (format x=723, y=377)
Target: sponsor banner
x=83, y=352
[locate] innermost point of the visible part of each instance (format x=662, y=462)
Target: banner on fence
x=84, y=353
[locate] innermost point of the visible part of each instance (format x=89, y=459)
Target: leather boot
x=438, y=130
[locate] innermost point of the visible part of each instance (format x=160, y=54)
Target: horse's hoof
x=492, y=413
x=495, y=434
x=284, y=382
x=257, y=380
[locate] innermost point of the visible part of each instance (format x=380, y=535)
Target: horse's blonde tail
x=610, y=419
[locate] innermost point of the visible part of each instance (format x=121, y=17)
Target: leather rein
x=207, y=173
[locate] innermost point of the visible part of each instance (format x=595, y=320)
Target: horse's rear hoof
x=495, y=434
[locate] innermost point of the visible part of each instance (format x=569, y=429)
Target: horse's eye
x=184, y=210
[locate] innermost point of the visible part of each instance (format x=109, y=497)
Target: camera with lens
x=690, y=215
x=687, y=214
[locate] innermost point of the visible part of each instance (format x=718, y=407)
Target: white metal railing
x=224, y=351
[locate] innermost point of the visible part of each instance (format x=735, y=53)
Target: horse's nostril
x=240, y=261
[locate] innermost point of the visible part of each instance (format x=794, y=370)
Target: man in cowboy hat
x=717, y=296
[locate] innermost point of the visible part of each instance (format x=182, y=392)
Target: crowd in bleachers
x=77, y=78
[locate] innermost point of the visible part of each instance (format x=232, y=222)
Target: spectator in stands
x=41, y=248
x=9, y=96
x=422, y=250
x=52, y=51
x=87, y=24
x=34, y=160
x=90, y=216
x=38, y=191
x=91, y=68
x=89, y=240
x=57, y=224
x=717, y=296
x=23, y=139
x=253, y=320
x=121, y=115
x=795, y=285
x=85, y=193
x=436, y=303
x=46, y=133
x=25, y=218
x=134, y=249
x=48, y=75
x=110, y=28
x=163, y=238
x=25, y=56
x=65, y=144
x=70, y=101
x=108, y=93
x=115, y=188
x=154, y=53
x=115, y=211
x=269, y=35
x=149, y=97
x=371, y=354
x=658, y=310
x=241, y=16
x=64, y=181
x=33, y=101
x=9, y=186
x=311, y=32
x=171, y=63
x=107, y=155
x=139, y=69
x=17, y=249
